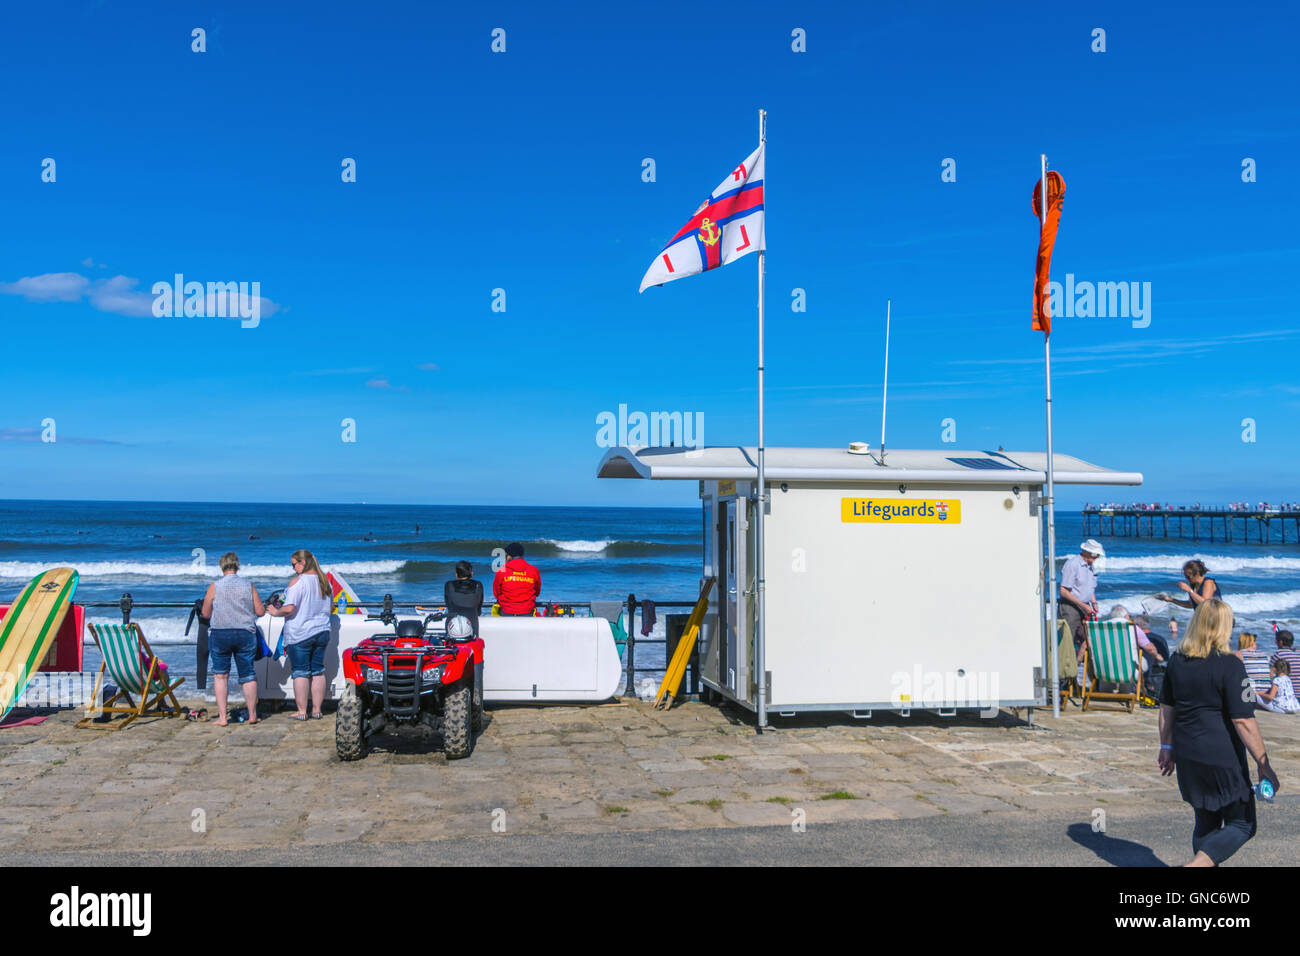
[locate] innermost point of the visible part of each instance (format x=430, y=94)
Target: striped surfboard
x=29, y=629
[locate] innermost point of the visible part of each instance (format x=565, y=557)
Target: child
x=1280, y=698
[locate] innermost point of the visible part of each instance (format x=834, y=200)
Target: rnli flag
x=1046, y=240
x=728, y=225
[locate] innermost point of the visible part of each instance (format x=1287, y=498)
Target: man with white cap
x=1078, y=601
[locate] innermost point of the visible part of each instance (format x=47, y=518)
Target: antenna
x=884, y=395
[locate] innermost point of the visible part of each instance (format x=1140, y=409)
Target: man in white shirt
x=1078, y=600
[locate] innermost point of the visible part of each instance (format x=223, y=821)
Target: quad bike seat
x=410, y=629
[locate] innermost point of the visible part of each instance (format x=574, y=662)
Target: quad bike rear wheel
x=349, y=726
x=457, y=720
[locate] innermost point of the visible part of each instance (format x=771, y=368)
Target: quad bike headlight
x=433, y=675
x=373, y=675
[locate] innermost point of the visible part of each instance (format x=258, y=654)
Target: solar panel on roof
x=986, y=464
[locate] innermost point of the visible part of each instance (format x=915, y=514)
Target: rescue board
x=344, y=599
x=29, y=630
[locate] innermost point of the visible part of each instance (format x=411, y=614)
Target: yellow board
x=29, y=630
x=901, y=510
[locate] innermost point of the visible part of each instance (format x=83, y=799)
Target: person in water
x=518, y=585
x=1199, y=586
x=464, y=595
x=232, y=607
x=306, y=610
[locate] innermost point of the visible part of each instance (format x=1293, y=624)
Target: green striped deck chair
x=1111, y=657
x=142, y=688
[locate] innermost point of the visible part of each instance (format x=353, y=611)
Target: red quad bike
x=411, y=678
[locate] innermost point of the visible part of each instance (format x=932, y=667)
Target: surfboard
x=345, y=599
x=29, y=630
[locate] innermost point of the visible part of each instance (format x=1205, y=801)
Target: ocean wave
x=1216, y=563
x=456, y=548
x=26, y=570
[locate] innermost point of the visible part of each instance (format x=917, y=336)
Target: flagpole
x=1051, y=487
x=760, y=638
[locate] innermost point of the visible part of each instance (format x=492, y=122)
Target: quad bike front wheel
x=349, y=726
x=457, y=721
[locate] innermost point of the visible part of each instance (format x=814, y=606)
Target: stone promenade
x=621, y=766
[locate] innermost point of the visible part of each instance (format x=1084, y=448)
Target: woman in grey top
x=232, y=606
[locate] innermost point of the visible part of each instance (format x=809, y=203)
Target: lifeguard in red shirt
x=517, y=585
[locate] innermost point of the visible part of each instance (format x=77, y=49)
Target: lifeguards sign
x=728, y=225
x=900, y=510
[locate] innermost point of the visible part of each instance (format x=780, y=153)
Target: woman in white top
x=306, y=610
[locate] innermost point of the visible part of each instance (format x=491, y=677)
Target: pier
x=1261, y=526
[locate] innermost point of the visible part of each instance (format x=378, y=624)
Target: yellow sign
x=726, y=488
x=900, y=510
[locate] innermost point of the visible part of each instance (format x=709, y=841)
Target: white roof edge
x=625, y=462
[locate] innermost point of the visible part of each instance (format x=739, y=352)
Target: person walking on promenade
x=1207, y=724
x=1199, y=586
x=1079, y=592
x=518, y=585
x=306, y=610
x=232, y=606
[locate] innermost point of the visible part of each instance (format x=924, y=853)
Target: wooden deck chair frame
x=150, y=695
x=1090, y=693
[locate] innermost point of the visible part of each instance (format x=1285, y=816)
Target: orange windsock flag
x=1046, y=239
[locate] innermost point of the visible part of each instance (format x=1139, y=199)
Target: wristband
x=1166, y=747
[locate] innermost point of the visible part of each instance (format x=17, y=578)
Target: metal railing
x=127, y=604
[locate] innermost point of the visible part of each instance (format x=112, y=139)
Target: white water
x=25, y=571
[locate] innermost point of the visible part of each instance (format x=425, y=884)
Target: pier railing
x=126, y=605
x=1193, y=523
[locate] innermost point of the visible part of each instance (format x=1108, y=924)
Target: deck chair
x=1111, y=657
x=125, y=653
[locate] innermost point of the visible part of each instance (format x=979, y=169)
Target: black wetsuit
x=464, y=596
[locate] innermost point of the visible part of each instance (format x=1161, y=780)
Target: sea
x=168, y=552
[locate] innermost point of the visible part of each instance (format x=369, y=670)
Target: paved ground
x=618, y=783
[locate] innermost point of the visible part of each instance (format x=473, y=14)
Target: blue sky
x=522, y=171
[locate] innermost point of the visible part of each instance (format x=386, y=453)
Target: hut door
x=731, y=580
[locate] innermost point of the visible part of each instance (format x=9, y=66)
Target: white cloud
x=50, y=287
x=119, y=295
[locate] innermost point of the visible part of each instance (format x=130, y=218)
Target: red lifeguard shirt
x=517, y=587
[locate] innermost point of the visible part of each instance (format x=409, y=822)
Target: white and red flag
x=728, y=225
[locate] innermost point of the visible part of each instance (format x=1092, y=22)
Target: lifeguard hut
x=905, y=582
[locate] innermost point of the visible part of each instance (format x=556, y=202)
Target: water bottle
x=1264, y=790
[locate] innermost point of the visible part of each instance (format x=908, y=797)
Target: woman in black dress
x=1207, y=724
